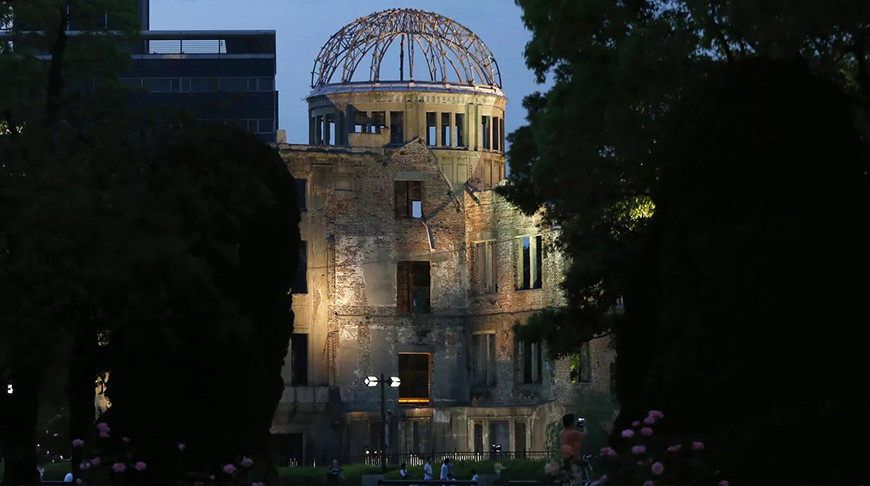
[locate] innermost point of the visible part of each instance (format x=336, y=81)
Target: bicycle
x=580, y=474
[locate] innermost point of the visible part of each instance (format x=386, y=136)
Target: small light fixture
x=371, y=381
x=9, y=389
x=395, y=382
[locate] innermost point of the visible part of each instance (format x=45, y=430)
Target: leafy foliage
x=712, y=219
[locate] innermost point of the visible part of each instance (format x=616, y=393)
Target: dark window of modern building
x=412, y=287
x=528, y=256
x=431, y=129
x=299, y=360
x=484, y=261
x=532, y=361
x=203, y=85
x=301, y=189
x=460, y=130
x=234, y=85
x=483, y=355
x=484, y=131
x=414, y=373
x=397, y=120
x=581, y=365
x=446, y=139
x=408, y=197
x=157, y=85
x=299, y=284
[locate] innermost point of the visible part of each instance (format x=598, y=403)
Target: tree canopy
x=662, y=189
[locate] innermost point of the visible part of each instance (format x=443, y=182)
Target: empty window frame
x=460, y=130
x=446, y=133
x=300, y=187
x=532, y=361
x=581, y=365
x=431, y=129
x=299, y=284
x=414, y=373
x=412, y=287
x=483, y=369
x=520, y=439
x=501, y=134
x=360, y=121
x=299, y=360
x=528, y=257
x=408, y=199
x=378, y=122
x=397, y=120
x=484, y=259
x=495, y=137
x=485, y=132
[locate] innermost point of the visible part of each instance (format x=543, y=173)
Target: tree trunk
x=80, y=392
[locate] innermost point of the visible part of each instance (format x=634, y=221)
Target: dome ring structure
x=451, y=52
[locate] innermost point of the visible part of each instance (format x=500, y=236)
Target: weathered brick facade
x=416, y=269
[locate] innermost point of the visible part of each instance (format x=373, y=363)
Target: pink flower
x=649, y=420
x=638, y=449
x=628, y=433
x=79, y=481
x=636, y=423
x=655, y=413
x=181, y=446
x=723, y=482
x=675, y=448
x=104, y=433
x=140, y=466
x=646, y=431
x=657, y=468
x=119, y=467
x=607, y=451
x=78, y=443
x=125, y=440
x=95, y=461
x=85, y=466
x=102, y=425
x=229, y=469
x=697, y=446
x=649, y=482
x=246, y=462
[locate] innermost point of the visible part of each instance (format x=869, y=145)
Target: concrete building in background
x=412, y=266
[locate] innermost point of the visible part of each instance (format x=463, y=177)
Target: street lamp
x=372, y=381
x=9, y=389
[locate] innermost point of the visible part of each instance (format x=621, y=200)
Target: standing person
x=334, y=475
x=445, y=468
x=427, y=469
x=450, y=475
x=403, y=471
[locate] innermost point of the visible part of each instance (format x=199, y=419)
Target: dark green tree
x=595, y=157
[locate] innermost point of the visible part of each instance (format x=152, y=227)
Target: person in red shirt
x=570, y=440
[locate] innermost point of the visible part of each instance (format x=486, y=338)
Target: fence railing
x=418, y=459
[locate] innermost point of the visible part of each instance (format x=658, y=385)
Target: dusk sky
x=303, y=26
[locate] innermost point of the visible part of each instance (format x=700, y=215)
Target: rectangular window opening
x=484, y=130
x=484, y=259
x=408, y=197
x=299, y=284
x=378, y=122
x=299, y=360
x=431, y=129
x=413, y=287
x=414, y=373
x=446, y=139
x=460, y=130
x=300, y=187
x=495, y=137
x=532, y=361
x=581, y=365
x=484, y=359
x=397, y=127
x=529, y=262
x=360, y=120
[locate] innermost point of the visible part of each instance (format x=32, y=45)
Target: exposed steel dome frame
x=452, y=52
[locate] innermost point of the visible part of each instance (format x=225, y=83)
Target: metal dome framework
x=447, y=47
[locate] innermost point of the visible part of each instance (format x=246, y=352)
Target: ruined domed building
x=412, y=266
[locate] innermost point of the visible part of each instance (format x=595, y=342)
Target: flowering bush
x=107, y=461
x=646, y=460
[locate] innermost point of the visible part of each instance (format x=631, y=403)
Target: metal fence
x=418, y=459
